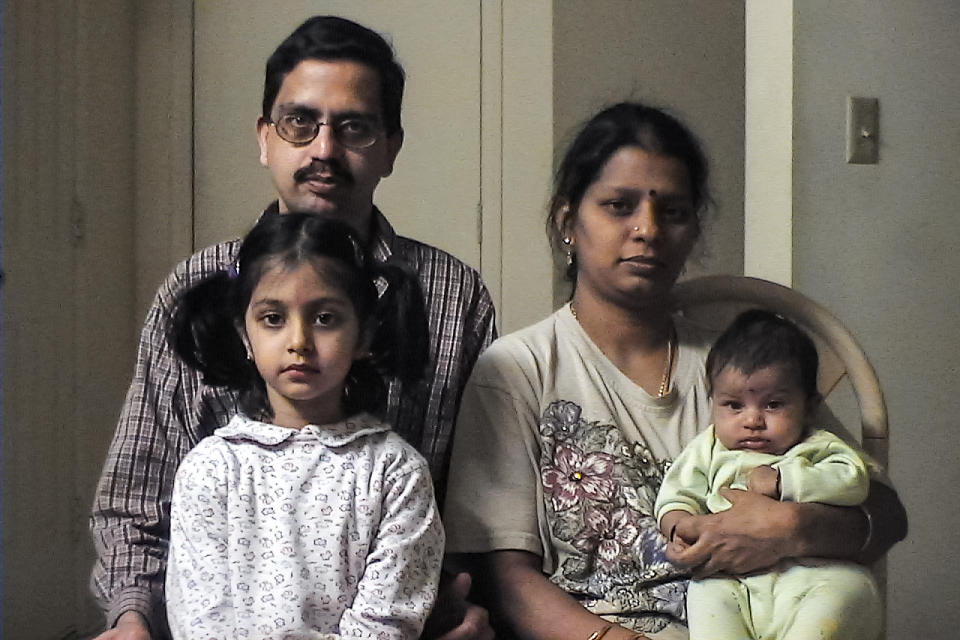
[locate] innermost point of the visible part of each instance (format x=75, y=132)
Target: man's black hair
x=333, y=38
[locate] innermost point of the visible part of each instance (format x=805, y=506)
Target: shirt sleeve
x=399, y=584
x=686, y=484
x=824, y=469
x=481, y=334
x=160, y=422
x=198, y=588
x=129, y=522
x=826, y=419
x=479, y=331
x=494, y=495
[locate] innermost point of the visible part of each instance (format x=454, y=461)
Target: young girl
x=762, y=378
x=305, y=516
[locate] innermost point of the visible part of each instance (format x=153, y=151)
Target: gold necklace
x=665, y=378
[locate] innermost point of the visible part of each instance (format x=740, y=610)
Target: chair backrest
x=713, y=302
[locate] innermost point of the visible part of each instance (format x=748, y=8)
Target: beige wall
x=528, y=91
x=768, y=141
x=68, y=322
x=163, y=143
x=878, y=245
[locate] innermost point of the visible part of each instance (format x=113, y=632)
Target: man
x=329, y=131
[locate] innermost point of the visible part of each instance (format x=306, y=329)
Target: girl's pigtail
x=400, y=343
x=203, y=333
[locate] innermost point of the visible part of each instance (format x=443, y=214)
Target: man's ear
x=263, y=128
x=394, y=142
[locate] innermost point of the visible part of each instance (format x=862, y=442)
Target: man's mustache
x=323, y=168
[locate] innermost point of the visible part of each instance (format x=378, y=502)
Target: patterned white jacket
x=284, y=533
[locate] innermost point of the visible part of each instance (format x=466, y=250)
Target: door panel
x=434, y=192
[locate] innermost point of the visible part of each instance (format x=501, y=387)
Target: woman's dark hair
x=204, y=328
x=332, y=38
x=627, y=124
x=757, y=339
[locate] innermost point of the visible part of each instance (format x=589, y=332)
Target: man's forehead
x=353, y=74
x=330, y=84
x=313, y=110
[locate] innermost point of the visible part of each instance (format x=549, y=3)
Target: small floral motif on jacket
x=600, y=492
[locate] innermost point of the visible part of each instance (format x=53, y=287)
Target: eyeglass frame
x=378, y=130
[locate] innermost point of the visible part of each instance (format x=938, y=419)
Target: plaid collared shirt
x=168, y=410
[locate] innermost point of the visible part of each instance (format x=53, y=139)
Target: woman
x=566, y=427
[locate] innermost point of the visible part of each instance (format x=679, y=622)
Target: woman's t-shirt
x=558, y=453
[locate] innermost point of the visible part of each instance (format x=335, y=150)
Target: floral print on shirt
x=599, y=495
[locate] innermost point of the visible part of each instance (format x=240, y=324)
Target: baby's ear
x=813, y=405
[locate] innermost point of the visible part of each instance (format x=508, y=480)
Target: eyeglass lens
x=299, y=128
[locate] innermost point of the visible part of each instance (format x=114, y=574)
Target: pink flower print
x=575, y=476
x=607, y=533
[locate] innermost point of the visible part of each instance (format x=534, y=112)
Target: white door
x=434, y=192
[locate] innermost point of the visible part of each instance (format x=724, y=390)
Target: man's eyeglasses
x=301, y=128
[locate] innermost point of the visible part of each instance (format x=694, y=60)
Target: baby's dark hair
x=758, y=339
x=207, y=317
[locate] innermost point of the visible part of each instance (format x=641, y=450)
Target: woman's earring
x=566, y=241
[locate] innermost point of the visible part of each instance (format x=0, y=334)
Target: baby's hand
x=766, y=480
x=677, y=545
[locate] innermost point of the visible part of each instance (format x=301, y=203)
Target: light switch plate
x=863, y=130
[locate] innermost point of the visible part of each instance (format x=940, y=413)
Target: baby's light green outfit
x=798, y=598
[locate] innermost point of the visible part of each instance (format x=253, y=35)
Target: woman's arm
x=886, y=521
x=757, y=531
x=535, y=608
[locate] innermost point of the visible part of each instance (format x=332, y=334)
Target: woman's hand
x=755, y=533
x=454, y=618
x=536, y=609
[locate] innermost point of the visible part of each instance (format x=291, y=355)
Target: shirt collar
x=337, y=434
x=382, y=235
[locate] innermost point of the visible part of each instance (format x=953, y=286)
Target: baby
x=762, y=375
